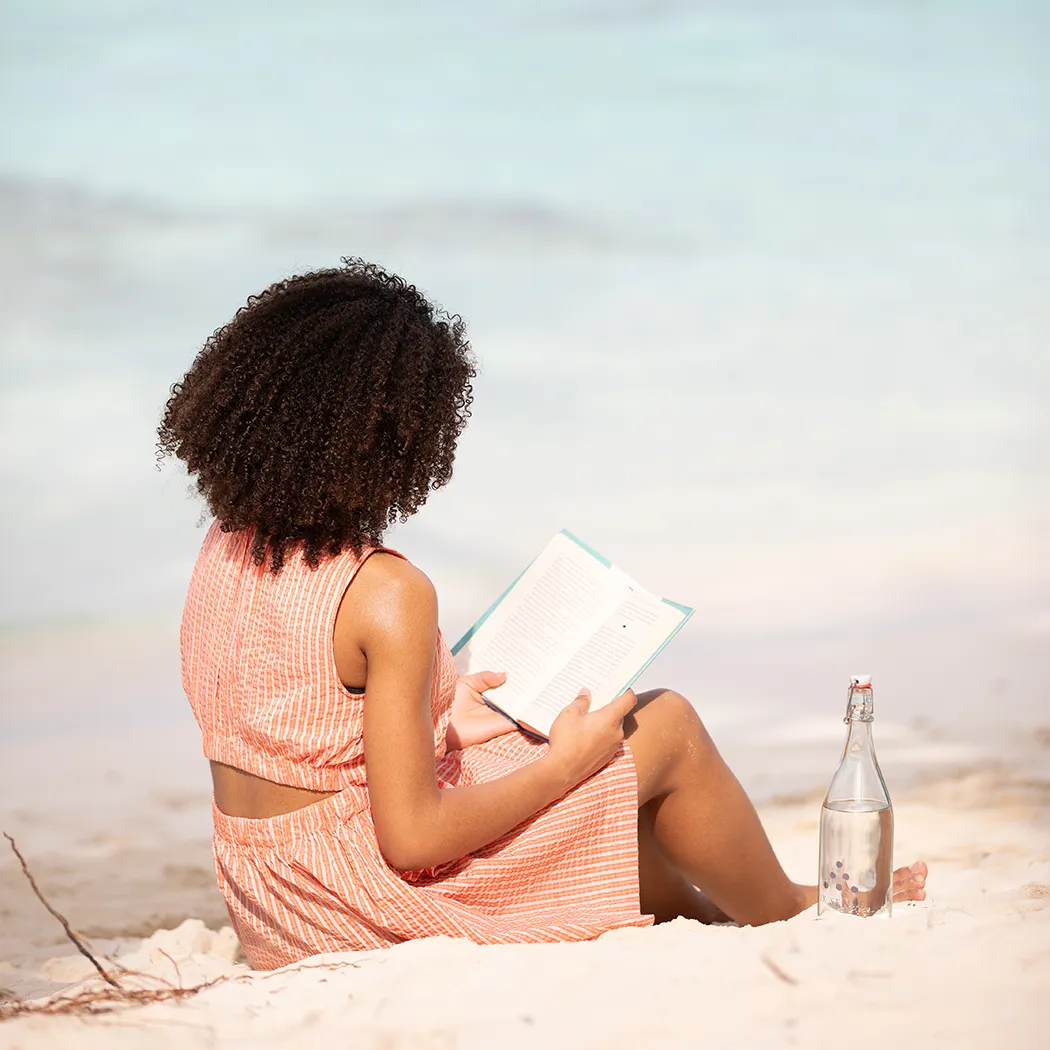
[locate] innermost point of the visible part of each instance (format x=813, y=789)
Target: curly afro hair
x=325, y=411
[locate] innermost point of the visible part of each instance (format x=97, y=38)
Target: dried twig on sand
x=92, y=1000
x=98, y=1000
x=61, y=918
x=780, y=974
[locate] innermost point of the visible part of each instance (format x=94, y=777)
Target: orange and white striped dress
x=259, y=670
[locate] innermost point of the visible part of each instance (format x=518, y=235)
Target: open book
x=571, y=619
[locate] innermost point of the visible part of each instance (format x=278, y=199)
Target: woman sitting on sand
x=363, y=794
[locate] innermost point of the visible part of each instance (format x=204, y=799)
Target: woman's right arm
x=390, y=613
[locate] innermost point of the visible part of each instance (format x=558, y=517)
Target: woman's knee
x=669, y=712
x=665, y=734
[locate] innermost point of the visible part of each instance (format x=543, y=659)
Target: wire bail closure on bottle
x=861, y=709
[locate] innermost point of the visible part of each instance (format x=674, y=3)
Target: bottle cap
x=860, y=681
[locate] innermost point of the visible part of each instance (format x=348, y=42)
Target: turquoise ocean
x=759, y=291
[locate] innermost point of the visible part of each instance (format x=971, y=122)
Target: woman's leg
x=695, y=816
x=665, y=893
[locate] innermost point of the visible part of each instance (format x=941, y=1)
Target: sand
x=969, y=967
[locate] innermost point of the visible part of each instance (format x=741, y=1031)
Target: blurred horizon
x=758, y=291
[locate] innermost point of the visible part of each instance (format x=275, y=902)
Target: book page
x=560, y=600
x=613, y=656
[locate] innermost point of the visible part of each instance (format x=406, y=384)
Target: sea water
x=695, y=243
x=856, y=859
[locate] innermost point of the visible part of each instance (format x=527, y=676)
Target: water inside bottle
x=856, y=858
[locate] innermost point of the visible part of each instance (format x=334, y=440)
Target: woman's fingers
x=624, y=704
x=617, y=709
x=482, y=680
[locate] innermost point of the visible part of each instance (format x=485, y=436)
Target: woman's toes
x=909, y=884
x=916, y=874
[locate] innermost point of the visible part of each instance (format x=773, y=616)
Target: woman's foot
x=909, y=884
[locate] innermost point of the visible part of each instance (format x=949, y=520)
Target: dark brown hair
x=325, y=411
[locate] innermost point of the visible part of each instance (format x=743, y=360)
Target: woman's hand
x=583, y=741
x=473, y=721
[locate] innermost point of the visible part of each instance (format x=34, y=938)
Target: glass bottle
x=856, y=822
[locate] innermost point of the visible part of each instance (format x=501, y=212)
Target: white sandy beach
x=112, y=812
x=970, y=967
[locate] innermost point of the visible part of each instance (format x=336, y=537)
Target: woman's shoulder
x=390, y=602
x=389, y=573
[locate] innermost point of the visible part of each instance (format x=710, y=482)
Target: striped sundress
x=259, y=671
